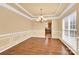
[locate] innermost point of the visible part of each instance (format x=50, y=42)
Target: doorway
x=48, y=31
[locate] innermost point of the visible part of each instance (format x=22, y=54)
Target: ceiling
x=53, y=9
x=49, y=9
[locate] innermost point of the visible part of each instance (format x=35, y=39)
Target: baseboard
x=26, y=38
x=15, y=43
x=27, y=33
x=67, y=45
x=55, y=37
x=39, y=36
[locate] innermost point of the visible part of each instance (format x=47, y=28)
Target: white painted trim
x=56, y=31
x=25, y=38
x=56, y=17
x=58, y=9
x=51, y=16
x=18, y=5
x=14, y=10
x=7, y=34
x=13, y=36
x=13, y=39
x=37, y=16
x=13, y=44
x=69, y=7
x=34, y=17
x=75, y=52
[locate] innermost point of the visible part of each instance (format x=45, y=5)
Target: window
x=69, y=30
x=72, y=26
x=69, y=25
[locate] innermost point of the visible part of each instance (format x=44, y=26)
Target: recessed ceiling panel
x=53, y=9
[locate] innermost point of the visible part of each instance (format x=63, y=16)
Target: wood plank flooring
x=38, y=46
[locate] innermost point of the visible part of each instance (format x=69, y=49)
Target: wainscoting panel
x=38, y=33
x=9, y=40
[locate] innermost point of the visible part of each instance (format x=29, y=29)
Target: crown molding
x=28, y=13
x=14, y=10
x=34, y=17
x=58, y=9
x=48, y=16
x=31, y=17
x=69, y=7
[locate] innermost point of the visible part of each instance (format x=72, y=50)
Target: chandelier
x=41, y=17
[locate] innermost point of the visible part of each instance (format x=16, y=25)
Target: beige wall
x=77, y=21
x=38, y=29
x=12, y=22
x=15, y=29
x=56, y=28
x=38, y=26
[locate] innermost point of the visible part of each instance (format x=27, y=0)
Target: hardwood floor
x=38, y=46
